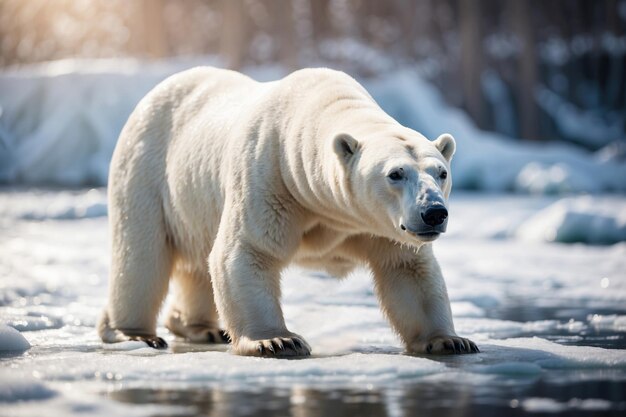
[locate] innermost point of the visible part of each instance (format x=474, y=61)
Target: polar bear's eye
x=443, y=175
x=396, y=174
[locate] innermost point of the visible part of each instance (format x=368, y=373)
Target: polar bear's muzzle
x=433, y=220
x=435, y=216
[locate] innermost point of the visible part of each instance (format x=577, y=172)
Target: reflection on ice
x=433, y=396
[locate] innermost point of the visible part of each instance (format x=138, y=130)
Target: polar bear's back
x=175, y=110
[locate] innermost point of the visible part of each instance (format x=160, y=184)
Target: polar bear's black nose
x=434, y=216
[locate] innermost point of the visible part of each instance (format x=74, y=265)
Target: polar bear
x=220, y=182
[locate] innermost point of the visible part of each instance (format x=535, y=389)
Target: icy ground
x=550, y=319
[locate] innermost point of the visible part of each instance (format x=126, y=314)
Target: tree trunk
x=284, y=32
x=471, y=59
x=527, y=68
x=154, y=39
x=233, y=34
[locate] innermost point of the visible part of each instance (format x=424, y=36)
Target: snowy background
x=534, y=256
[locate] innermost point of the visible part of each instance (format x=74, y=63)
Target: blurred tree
x=471, y=59
x=233, y=33
x=520, y=14
x=284, y=32
x=152, y=34
x=530, y=68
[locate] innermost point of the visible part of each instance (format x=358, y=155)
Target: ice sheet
x=536, y=309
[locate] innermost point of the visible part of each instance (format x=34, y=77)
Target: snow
x=64, y=205
x=541, y=313
x=608, y=322
x=12, y=340
x=548, y=405
x=36, y=130
x=583, y=219
x=551, y=355
x=14, y=389
x=585, y=127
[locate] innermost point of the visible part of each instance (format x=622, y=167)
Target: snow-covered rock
x=12, y=340
x=584, y=219
x=14, y=389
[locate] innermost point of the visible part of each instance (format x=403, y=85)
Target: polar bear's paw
x=195, y=333
x=202, y=334
x=445, y=345
x=278, y=347
x=152, y=341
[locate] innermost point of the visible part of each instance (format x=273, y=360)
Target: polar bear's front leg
x=414, y=297
x=246, y=282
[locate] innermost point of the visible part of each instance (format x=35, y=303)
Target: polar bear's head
x=404, y=181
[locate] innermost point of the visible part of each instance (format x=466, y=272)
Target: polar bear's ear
x=446, y=145
x=345, y=146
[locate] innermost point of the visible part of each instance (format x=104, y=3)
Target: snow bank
x=490, y=161
x=30, y=321
x=615, y=322
x=22, y=389
x=550, y=355
x=579, y=219
x=59, y=123
x=62, y=205
x=548, y=405
x=12, y=340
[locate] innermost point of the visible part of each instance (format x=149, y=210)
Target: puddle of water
x=502, y=396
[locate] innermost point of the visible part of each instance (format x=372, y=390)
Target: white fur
x=215, y=168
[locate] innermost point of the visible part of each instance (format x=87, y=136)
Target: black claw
x=297, y=344
x=224, y=336
x=448, y=345
x=156, y=342
x=429, y=348
x=271, y=348
x=211, y=337
x=277, y=345
x=291, y=343
x=162, y=342
x=261, y=349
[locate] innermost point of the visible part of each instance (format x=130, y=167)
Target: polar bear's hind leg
x=193, y=315
x=140, y=271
